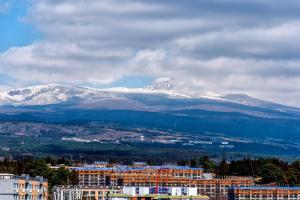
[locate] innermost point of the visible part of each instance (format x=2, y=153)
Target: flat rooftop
x=26, y=177
x=265, y=188
x=126, y=168
x=158, y=196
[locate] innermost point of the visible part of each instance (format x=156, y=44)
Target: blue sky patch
x=13, y=30
x=133, y=81
x=4, y=79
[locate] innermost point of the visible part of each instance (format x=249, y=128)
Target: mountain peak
x=165, y=83
x=58, y=93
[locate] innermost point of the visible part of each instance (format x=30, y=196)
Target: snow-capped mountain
x=43, y=94
x=56, y=93
x=159, y=106
x=159, y=96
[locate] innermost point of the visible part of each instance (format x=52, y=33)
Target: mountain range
x=147, y=98
x=234, y=117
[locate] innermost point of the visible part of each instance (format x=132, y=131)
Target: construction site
x=159, y=179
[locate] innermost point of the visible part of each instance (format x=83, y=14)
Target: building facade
x=83, y=193
x=131, y=176
x=23, y=187
x=166, y=193
x=156, y=197
x=159, y=178
x=98, y=193
x=264, y=193
x=218, y=188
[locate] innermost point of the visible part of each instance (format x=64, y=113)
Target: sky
x=220, y=46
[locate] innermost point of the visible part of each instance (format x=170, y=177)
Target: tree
x=223, y=168
x=291, y=177
x=193, y=163
x=271, y=173
x=207, y=164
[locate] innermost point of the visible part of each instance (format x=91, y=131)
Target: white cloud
x=62, y=62
x=221, y=46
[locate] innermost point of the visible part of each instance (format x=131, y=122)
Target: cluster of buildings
x=102, y=181
x=121, y=182
x=23, y=187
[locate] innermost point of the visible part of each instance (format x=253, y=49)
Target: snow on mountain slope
x=161, y=95
x=55, y=93
x=246, y=100
x=43, y=94
x=250, y=101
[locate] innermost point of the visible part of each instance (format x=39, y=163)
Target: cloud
x=274, y=42
x=223, y=46
x=63, y=62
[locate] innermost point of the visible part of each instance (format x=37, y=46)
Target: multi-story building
x=160, y=177
x=155, y=197
x=23, y=187
x=130, y=176
x=170, y=191
x=83, y=193
x=264, y=193
x=218, y=188
x=66, y=192
x=148, y=193
x=103, y=193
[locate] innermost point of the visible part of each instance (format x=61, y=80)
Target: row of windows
x=29, y=197
x=27, y=187
x=266, y=196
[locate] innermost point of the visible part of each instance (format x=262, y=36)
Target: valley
x=95, y=138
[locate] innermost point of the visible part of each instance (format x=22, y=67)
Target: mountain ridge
x=233, y=117
x=56, y=93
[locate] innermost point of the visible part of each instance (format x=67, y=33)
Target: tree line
x=269, y=170
x=40, y=167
